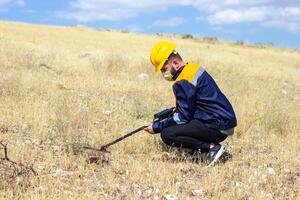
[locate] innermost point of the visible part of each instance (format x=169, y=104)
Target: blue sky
x=253, y=21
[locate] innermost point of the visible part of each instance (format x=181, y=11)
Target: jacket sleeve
x=185, y=100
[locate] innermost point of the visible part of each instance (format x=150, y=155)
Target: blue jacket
x=198, y=97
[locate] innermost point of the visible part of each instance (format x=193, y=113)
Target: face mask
x=168, y=76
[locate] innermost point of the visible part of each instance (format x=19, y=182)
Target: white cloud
x=94, y=15
x=285, y=18
x=269, y=13
x=91, y=10
x=4, y=2
x=231, y=16
x=291, y=26
x=276, y=17
x=171, y=22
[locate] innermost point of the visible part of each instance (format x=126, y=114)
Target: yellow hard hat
x=160, y=54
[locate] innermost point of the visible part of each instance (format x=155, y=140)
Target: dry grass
x=62, y=88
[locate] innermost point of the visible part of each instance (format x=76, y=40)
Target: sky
x=253, y=21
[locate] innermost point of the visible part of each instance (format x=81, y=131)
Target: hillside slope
x=65, y=87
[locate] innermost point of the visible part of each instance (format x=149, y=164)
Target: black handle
x=104, y=147
x=163, y=114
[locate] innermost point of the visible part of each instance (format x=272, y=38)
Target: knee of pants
x=166, y=138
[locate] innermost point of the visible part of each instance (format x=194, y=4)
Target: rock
x=143, y=76
x=148, y=192
x=169, y=197
x=283, y=91
x=166, y=156
x=197, y=192
x=40, y=189
x=107, y=112
x=286, y=170
x=271, y=171
x=58, y=173
x=136, y=189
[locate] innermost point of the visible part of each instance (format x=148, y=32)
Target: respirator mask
x=168, y=76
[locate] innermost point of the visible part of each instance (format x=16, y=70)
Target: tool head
x=102, y=149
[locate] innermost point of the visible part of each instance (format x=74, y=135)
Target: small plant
x=188, y=36
x=10, y=170
x=240, y=42
x=124, y=31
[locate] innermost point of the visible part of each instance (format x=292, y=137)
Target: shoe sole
x=218, y=155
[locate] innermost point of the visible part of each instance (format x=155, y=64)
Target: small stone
x=58, y=172
x=148, y=192
x=14, y=130
x=40, y=189
x=139, y=192
x=136, y=189
x=197, y=192
x=284, y=92
x=107, y=112
x=271, y=171
x=143, y=76
x=169, y=197
x=165, y=156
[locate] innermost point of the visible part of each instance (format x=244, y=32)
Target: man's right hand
x=149, y=128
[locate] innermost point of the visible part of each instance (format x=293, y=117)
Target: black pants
x=194, y=135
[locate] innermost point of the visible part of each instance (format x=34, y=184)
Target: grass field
x=65, y=87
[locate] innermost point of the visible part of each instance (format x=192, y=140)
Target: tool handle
x=157, y=117
x=122, y=137
x=104, y=147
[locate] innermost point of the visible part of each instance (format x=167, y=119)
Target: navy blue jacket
x=198, y=97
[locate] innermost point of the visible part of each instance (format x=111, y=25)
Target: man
x=203, y=116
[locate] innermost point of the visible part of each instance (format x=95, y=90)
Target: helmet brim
x=160, y=66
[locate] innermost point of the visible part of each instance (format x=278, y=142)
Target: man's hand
x=149, y=128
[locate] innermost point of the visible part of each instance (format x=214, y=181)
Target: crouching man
x=203, y=117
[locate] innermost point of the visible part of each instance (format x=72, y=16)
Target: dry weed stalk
x=11, y=170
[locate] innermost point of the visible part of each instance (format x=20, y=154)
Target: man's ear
x=175, y=62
